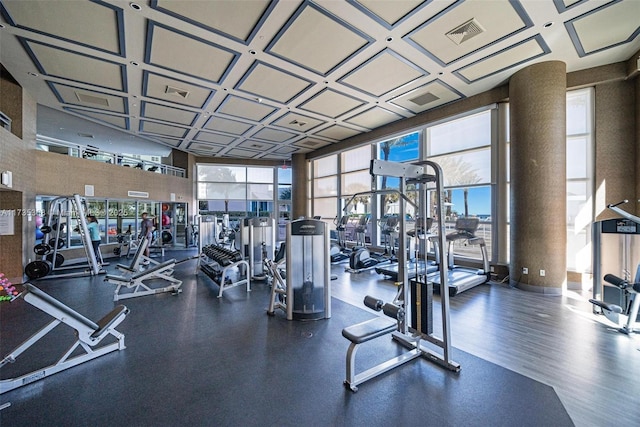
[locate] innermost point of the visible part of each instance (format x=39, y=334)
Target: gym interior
x=366, y=212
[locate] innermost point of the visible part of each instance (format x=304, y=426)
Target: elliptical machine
x=362, y=259
x=339, y=251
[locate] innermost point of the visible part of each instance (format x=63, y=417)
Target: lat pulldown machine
x=412, y=325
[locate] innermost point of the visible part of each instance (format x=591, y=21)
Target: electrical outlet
x=542, y=272
x=492, y=269
x=525, y=270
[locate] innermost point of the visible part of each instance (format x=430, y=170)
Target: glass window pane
x=284, y=192
x=260, y=191
x=577, y=157
x=324, y=187
x=284, y=175
x=263, y=209
x=578, y=112
x=468, y=168
x=355, y=182
x=222, y=173
x=471, y=202
x=325, y=207
x=264, y=175
x=221, y=191
x=325, y=166
x=462, y=134
x=400, y=149
x=356, y=159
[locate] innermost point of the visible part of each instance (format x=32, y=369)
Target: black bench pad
x=369, y=329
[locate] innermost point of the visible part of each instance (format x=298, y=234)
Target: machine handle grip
x=619, y=203
x=616, y=281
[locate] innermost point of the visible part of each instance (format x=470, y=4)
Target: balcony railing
x=94, y=153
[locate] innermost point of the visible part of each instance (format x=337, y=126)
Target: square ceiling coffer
x=466, y=31
x=424, y=99
x=92, y=99
x=176, y=91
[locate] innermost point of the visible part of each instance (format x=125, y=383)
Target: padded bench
x=163, y=271
x=367, y=331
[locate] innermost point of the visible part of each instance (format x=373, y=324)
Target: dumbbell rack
x=225, y=267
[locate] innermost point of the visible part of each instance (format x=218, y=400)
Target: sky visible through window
x=479, y=198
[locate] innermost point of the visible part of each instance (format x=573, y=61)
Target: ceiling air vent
x=85, y=135
x=465, y=31
x=298, y=123
x=311, y=143
x=176, y=91
x=424, y=99
x=92, y=99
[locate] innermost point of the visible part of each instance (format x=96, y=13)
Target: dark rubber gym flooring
x=194, y=359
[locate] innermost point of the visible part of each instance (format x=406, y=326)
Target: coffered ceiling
x=262, y=79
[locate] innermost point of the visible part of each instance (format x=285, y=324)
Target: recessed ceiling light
x=548, y=24
x=31, y=73
x=134, y=63
x=441, y=73
x=389, y=39
x=252, y=52
x=135, y=6
x=1, y=26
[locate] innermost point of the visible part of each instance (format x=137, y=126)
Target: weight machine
x=260, y=245
x=51, y=258
x=412, y=325
x=620, y=302
x=306, y=292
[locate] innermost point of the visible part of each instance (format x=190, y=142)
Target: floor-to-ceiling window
x=579, y=179
x=463, y=149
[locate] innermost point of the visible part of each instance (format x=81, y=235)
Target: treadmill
x=462, y=278
x=417, y=266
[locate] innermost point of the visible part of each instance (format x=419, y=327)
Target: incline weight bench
x=138, y=257
x=368, y=330
x=136, y=281
x=88, y=334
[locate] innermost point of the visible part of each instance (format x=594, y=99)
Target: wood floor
x=556, y=340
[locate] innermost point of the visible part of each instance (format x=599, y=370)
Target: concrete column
x=537, y=101
x=299, y=188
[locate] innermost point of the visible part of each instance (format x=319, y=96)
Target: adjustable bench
x=88, y=335
x=138, y=257
x=368, y=330
x=162, y=271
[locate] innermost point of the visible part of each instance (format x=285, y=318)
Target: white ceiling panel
x=89, y=98
x=373, y=118
x=221, y=124
x=331, y=103
x=298, y=74
x=383, y=73
x=246, y=109
x=271, y=83
x=76, y=67
x=316, y=40
x=117, y=121
x=215, y=138
x=235, y=19
x=175, y=91
x=180, y=52
x=162, y=129
x=168, y=114
x=97, y=25
x=612, y=16
x=486, y=23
